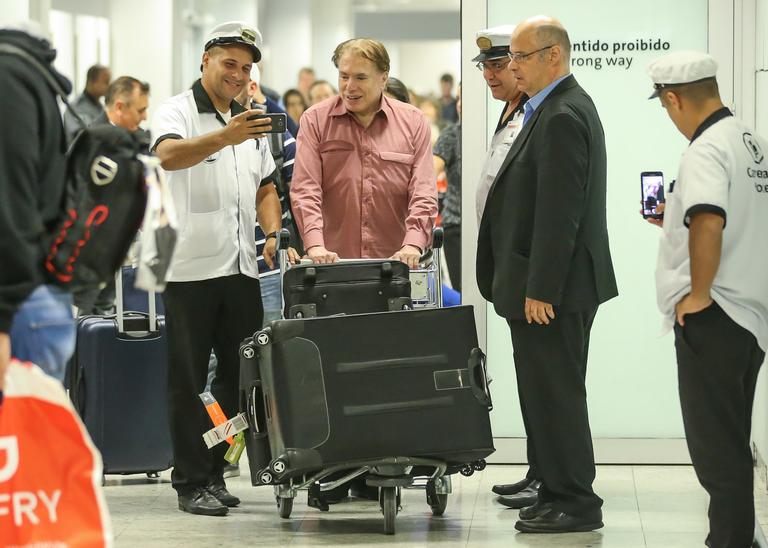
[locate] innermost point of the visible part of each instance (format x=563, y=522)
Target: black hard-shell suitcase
x=345, y=389
x=118, y=382
x=348, y=287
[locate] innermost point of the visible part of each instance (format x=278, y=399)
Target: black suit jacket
x=543, y=233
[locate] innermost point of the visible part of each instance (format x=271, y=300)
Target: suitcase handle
x=254, y=395
x=478, y=375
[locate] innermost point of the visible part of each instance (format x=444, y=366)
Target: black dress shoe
x=527, y=497
x=554, y=521
x=200, y=501
x=512, y=488
x=531, y=512
x=219, y=490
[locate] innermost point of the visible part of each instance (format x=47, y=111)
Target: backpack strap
x=10, y=49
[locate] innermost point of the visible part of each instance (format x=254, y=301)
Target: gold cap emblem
x=483, y=42
x=248, y=35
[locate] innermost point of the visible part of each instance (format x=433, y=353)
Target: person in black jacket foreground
x=35, y=319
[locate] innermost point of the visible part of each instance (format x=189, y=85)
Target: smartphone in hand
x=278, y=121
x=652, y=193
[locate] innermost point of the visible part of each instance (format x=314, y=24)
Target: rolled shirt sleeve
x=168, y=123
x=704, y=178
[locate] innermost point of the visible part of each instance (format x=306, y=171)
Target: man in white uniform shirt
x=221, y=176
x=493, y=62
x=712, y=285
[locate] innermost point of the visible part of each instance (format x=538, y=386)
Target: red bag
x=50, y=471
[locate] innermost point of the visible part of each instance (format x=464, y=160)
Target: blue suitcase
x=118, y=383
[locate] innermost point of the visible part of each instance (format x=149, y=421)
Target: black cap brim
x=232, y=41
x=492, y=53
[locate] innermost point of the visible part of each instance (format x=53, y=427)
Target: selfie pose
x=221, y=173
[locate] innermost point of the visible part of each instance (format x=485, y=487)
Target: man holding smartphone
x=709, y=287
x=221, y=174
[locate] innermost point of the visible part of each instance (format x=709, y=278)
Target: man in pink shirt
x=363, y=184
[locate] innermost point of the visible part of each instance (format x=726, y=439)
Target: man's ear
x=556, y=54
x=672, y=99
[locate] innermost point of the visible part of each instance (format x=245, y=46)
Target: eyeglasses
x=494, y=65
x=518, y=57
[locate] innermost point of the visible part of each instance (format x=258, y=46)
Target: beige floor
x=645, y=506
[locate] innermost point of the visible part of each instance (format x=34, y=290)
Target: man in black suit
x=543, y=260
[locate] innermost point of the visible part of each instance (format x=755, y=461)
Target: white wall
x=331, y=22
x=142, y=44
x=419, y=64
x=15, y=10
x=287, y=30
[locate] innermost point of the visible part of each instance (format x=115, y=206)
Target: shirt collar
x=385, y=107
x=205, y=105
x=710, y=121
x=534, y=102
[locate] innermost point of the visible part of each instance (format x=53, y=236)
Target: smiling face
x=226, y=71
x=361, y=84
x=500, y=81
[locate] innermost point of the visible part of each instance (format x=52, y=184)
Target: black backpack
x=104, y=202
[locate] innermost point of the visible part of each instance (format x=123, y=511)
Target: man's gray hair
x=122, y=88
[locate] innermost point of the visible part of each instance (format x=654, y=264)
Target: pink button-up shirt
x=364, y=192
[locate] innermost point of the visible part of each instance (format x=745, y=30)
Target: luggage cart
x=390, y=474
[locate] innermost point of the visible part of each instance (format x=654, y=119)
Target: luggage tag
x=234, y=453
x=419, y=286
x=233, y=426
x=214, y=411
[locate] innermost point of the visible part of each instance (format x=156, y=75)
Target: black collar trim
x=205, y=105
x=711, y=120
x=519, y=108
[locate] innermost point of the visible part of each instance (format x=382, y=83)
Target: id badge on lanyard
x=513, y=129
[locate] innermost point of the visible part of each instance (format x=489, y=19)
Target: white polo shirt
x=723, y=171
x=216, y=199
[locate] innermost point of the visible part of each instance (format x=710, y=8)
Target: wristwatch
x=272, y=234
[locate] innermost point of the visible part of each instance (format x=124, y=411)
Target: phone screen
x=651, y=192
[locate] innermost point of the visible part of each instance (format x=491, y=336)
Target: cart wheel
x=388, y=500
x=284, y=506
x=278, y=467
x=436, y=502
x=479, y=465
x=467, y=470
x=263, y=338
x=153, y=475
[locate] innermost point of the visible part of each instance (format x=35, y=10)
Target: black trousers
x=452, y=249
x=718, y=362
x=209, y=314
x=551, y=366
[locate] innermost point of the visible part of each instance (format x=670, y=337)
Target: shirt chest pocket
x=334, y=156
x=396, y=169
